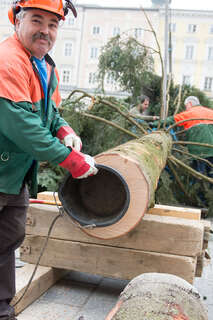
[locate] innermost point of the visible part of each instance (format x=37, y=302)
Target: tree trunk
x=158, y=296
x=140, y=163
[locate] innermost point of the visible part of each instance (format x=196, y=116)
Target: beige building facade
x=192, y=47
x=86, y=35
x=80, y=40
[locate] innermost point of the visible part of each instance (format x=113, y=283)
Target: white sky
x=176, y=4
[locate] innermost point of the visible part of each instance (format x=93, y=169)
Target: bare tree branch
x=124, y=115
x=193, y=172
x=181, y=185
x=193, y=156
x=160, y=55
x=182, y=121
x=193, y=143
x=112, y=124
x=178, y=98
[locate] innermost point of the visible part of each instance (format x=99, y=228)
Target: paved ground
x=81, y=296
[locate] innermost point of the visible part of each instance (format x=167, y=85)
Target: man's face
x=188, y=106
x=37, y=31
x=144, y=105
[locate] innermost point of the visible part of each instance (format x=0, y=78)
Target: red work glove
x=68, y=136
x=80, y=165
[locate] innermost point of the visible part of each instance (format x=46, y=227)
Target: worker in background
x=158, y=296
x=31, y=129
x=140, y=110
x=199, y=130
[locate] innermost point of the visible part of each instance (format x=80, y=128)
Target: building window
x=116, y=31
x=5, y=4
x=172, y=27
x=211, y=29
x=138, y=33
x=210, y=53
x=186, y=79
x=70, y=21
x=110, y=80
x=92, y=78
x=189, y=51
x=208, y=81
x=94, y=53
x=66, y=76
x=96, y=30
x=192, y=28
x=68, y=49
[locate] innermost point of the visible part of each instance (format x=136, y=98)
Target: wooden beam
x=158, y=209
x=104, y=260
x=44, y=278
x=154, y=233
x=47, y=195
x=207, y=230
x=178, y=212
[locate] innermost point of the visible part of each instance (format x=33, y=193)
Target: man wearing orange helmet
x=31, y=129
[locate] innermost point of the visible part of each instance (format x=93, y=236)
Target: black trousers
x=13, y=210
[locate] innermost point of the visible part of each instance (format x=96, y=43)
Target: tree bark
x=140, y=162
x=158, y=296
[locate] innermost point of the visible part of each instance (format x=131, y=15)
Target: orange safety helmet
x=55, y=6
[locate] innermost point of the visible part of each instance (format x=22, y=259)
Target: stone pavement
x=80, y=296
x=205, y=283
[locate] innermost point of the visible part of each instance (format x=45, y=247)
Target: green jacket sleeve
x=24, y=130
x=168, y=122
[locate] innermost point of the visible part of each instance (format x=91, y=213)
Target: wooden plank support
x=44, y=278
x=207, y=230
x=154, y=233
x=159, y=243
x=47, y=195
x=158, y=209
x=178, y=212
x=202, y=258
x=106, y=260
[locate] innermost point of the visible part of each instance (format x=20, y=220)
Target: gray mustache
x=41, y=36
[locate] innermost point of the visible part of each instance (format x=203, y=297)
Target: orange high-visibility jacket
x=198, y=130
x=27, y=133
